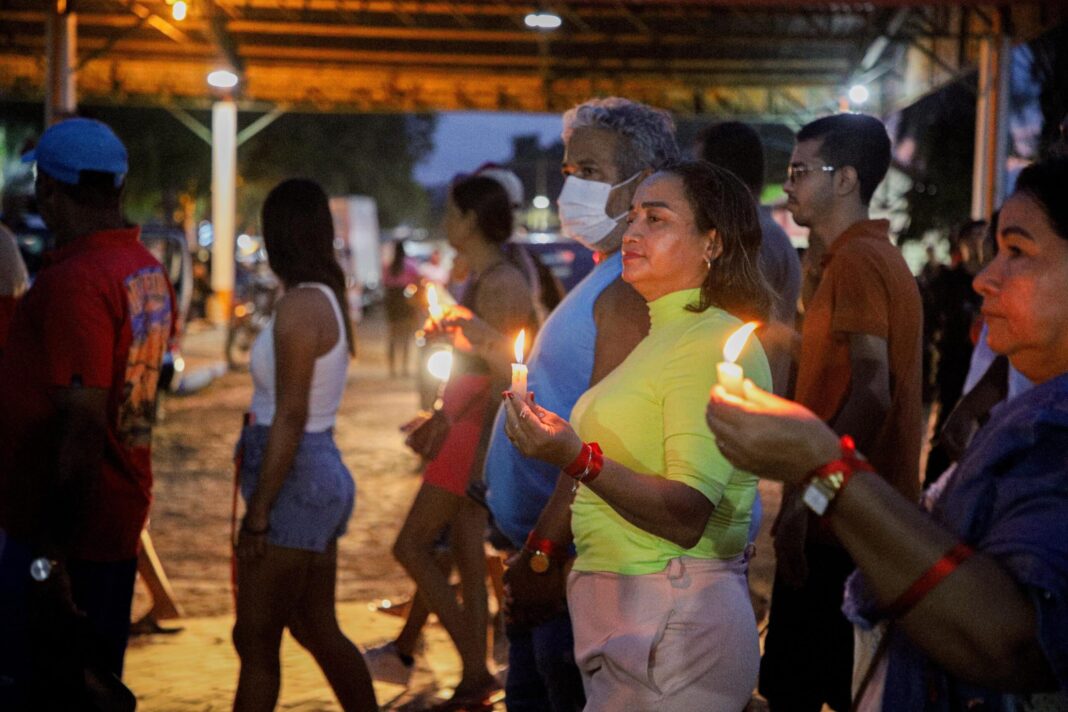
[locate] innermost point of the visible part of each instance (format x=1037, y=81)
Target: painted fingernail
x=509, y=394
x=504, y=394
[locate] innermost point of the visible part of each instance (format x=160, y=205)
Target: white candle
x=729, y=373
x=519, y=369
x=730, y=377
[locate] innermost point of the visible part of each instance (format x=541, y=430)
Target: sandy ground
x=193, y=451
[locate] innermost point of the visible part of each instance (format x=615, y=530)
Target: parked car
x=568, y=260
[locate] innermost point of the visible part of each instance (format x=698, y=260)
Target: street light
x=543, y=20
x=858, y=93
x=540, y=202
x=222, y=79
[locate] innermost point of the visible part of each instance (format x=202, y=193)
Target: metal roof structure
x=758, y=59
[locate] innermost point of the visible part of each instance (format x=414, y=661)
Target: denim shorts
x=314, y=505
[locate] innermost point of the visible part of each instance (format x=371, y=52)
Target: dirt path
x=193, y=451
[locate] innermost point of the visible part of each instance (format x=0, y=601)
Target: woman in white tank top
x=298, y=493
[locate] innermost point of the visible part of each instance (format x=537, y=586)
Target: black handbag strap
x=973, y=409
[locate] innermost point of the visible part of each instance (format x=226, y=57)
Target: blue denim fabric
x=315, y=502
x=756, y=517
x=15, y=665
x=542, y=674
x=1009, y=500
x=30, y=629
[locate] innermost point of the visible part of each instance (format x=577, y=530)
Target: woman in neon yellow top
x=658, y=594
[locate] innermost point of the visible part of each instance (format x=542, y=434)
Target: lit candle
x=519, y=369
x=730, y=373
x=433, y=306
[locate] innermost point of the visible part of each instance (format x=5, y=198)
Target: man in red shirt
x=860, y=370
x=78, y=383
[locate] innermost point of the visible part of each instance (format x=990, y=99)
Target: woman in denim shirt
x=976, y=593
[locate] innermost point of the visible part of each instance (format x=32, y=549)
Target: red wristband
x=581, y=461
x=546, y=546
x=595, y=465
x=827, y=481
x=848, y=464
x=928, y=580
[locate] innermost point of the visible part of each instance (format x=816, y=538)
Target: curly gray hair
x=650, y=132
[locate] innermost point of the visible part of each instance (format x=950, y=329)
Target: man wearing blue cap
x=78, y=383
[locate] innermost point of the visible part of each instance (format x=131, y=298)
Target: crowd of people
x=621, y=476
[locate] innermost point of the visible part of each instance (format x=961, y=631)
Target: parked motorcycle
x=254, y=296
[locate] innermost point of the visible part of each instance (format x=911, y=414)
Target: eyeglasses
x=795, y=172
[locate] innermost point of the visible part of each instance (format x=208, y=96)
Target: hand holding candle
x=730, y=373
x=519, y=369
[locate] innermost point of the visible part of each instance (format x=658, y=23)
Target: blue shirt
x=780, y=265
x=560, y=367
x=1009, y=500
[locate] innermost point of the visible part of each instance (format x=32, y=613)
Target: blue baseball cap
x=75, y=145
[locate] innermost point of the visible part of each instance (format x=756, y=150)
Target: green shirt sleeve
x=690, y=452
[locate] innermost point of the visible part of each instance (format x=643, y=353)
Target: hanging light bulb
x=179, y=10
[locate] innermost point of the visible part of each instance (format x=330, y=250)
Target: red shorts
x=468, y=404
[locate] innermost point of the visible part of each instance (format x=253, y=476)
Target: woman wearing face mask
x=658, y=591
x=975, y=591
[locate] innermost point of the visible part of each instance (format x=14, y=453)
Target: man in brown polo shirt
x=860, y=371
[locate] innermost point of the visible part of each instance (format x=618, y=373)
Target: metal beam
x=293, y=28
x=189, y=121
x=991, y=125
x=157, y=22
x=261, y=123
x=876, y=49
x=134, y=49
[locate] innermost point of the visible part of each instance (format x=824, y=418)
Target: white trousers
x=681, y=640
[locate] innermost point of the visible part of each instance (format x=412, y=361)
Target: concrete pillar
x=61, y=49
x=223, y=199
x=991, y=125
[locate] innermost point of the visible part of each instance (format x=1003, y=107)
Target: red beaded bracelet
x=928, y=580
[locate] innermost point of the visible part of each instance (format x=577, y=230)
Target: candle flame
x=733, y=348
x=433, y=306
x=520, y=343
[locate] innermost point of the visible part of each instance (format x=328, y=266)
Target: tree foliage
x=366, y=154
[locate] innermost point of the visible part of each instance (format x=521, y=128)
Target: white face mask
x=582, y=205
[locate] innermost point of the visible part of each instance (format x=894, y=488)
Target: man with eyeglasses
x=860, y=370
